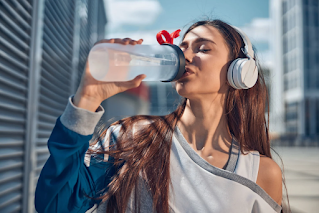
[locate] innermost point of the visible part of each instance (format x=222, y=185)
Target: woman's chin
x=184, y=90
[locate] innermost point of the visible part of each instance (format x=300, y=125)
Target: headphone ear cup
x=242, y=73
x=249, y=73
x=237, y=73
x=230, y=75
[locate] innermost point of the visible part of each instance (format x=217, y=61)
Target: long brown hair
x=147, y=152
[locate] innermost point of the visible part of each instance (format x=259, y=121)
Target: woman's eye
x=204, y=50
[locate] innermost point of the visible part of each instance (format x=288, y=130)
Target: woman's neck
x=204, y=123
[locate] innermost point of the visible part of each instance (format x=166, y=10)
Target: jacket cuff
x=80, y=120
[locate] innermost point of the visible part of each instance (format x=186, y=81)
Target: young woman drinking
x=212, y=154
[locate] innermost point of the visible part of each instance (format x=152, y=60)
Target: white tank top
x=198, y=186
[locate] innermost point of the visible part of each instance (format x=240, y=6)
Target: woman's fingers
x=123, y=41
x=131, y=84
x=104, y=41
x=140, y=41
x=132, y=42
x=135, y=82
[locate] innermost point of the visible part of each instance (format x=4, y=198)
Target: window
x=306, y=39
x=307, y=116
x=307, y=60
x=285, y=84
x=284, y=7
x=294, y=41
x=317, y=116
x=293, y=21
x=306, y=17
x=284, y=25
x=291, y=4
x=291, y=117
x=285, y=45
x=316, y=18
x=295, y=61
x=285, y=64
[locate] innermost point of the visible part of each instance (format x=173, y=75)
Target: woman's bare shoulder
x=270, y=178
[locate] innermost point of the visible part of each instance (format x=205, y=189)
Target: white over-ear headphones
x=243, y=72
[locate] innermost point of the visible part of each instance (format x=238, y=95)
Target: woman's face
x=207, y=58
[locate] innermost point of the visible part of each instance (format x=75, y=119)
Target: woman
x=212, y=154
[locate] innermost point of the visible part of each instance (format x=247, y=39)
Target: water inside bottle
x=114, y=65
x=155, y=67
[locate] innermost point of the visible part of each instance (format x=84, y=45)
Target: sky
x=144, y=18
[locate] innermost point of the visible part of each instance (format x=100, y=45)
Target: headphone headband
x=248, y=49
x=243, y=72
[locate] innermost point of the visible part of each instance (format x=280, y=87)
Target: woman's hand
x=92, y=92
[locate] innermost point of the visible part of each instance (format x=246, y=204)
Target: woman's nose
x=188, y=55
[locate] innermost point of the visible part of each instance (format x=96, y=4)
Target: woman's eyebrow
x=197, y=40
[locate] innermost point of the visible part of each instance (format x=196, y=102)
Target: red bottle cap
x=169, y=37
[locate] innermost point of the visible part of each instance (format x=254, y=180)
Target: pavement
x=301, y=169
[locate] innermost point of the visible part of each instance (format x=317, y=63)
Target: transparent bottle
x=116, y=62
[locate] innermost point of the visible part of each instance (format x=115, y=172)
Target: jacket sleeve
x=66, y=180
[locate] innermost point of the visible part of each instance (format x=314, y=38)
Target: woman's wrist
x=88, y=103
x=80, y=120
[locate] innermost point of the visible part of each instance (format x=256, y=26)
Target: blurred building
x=43, y=49
x=135, y=101
x=295, y=90
x=151, y=98
x=163, y=98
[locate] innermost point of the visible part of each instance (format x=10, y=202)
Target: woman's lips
x=186, y=73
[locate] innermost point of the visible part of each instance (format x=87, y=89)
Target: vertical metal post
x=313, y=116
x=32, y=105
x=301, y=117
x=94, y=22
x=76, y=46
x=277, y=100
x=301, y=52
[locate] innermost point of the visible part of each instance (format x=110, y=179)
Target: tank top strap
x=256, y=160
x=248, y=165
x=233, y=156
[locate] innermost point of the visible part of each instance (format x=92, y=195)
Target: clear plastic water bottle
x=116, y=62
